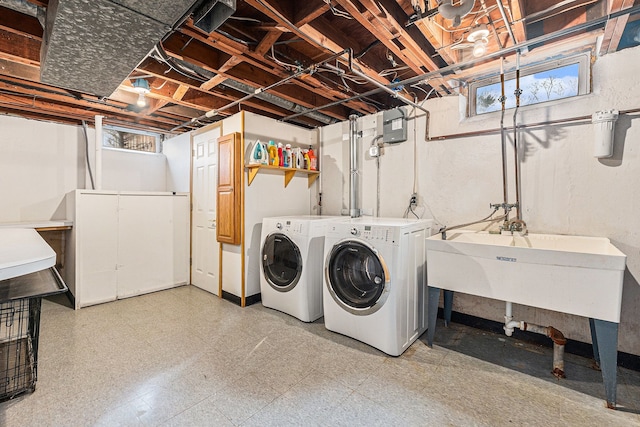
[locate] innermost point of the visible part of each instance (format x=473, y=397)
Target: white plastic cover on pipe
x=456, y=13
x=604, y=122
x=98, y=148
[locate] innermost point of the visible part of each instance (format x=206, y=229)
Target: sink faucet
x=518, y=226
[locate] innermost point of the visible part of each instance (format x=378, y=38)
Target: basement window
x=131, y=139
x=550, y=81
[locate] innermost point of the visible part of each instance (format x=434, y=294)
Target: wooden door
x=229, y=200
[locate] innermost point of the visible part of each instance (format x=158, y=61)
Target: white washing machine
x=292, y=260
x=375, y=281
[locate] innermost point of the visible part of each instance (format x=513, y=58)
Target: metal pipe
x=506, y=21
x=258, y=91
x=503, y=139
x=559, y=341
x=486, y=58
x=375, y=83
x=516, y=157
x=354, y=210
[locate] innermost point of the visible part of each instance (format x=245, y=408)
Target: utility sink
x=571, y=274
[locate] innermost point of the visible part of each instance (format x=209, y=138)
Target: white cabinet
x=129, y=244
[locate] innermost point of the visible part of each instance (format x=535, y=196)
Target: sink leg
x=594, y=341
x=605, y=344
x=432, y=313
x=448, y=306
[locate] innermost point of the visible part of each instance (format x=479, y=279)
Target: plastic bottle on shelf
x=280, y=154
x=313, y=160
x=307, y=160
x=298, y=160
x=286, y=153
x=273, y=154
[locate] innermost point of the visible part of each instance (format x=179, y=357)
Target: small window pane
x=130, y=140
x=542, y=86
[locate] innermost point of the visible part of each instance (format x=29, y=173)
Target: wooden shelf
x=252, y=171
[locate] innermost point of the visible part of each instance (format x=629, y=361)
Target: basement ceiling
x=339, y=56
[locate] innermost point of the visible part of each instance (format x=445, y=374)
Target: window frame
x=158, y=137
x=584, y=80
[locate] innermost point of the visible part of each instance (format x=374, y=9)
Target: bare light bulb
x=141, y=101
x=479, y=47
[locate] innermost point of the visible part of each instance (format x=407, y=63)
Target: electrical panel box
x=394, y=126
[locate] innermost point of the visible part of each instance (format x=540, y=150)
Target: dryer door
x=281, y=262
x=357, y=277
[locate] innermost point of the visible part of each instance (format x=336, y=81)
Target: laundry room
x=342, y=212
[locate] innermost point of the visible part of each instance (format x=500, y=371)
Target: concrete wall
x=565, y=190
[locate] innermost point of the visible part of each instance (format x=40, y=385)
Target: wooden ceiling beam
x=20, y=24
x=19, y=48
x=308, y=11
x=615, y=27
x=222, y=97
x=309, y=34
x=517, y=14
x=19, y=70
x=307, y=82
x=267, y=41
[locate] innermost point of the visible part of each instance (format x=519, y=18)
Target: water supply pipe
x=516, y=157
x=559, y=341
x=98, y=153
x=354, y=210
x=503, y=100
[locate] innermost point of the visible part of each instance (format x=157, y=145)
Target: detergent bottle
x=257, y=153
x=298, y=160
x=287, y=156
x=313, y=160
x=280, y=155
x=273, y=154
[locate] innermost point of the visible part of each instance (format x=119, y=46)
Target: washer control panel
x=372, y=233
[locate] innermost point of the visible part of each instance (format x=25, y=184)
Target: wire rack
x=19, y=331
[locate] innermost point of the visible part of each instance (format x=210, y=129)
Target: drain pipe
x=559, y=341
x=354, y=210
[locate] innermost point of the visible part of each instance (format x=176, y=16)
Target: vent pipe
x=354, y=209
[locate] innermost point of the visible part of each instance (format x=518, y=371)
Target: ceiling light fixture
x=478, y=36
x=141, y=87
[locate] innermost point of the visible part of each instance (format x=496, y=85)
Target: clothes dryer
x=292, y=260
x=375, y=281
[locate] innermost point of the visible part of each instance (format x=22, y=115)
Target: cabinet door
x=229, y=198
x=96, y=227
x=145, y=244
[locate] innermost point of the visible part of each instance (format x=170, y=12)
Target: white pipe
x=98, y=157
x=354, y=209
x=556, y=336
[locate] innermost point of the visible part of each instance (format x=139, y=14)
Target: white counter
x=23, y=251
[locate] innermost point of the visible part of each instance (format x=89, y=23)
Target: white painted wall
x=40, y=162
x=178, y=153
x=565, y=190
x=126, y=170
x=267, y=195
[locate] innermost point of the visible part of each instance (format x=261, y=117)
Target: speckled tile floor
x=183, y=357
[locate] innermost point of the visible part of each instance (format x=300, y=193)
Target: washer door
x=357, y=277
x=281, y=262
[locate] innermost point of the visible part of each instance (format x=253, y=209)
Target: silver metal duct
x=276, y=100
x=354, y=193
x=92, y=46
